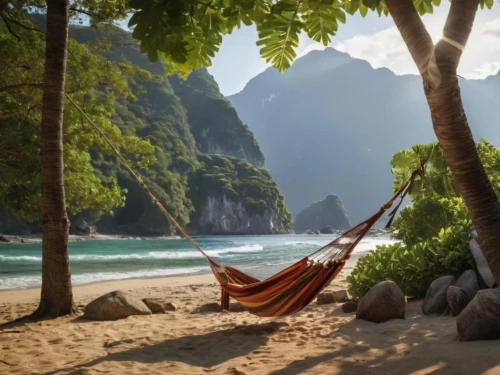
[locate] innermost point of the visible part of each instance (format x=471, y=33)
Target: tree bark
x=56, y=294
x=438, y=67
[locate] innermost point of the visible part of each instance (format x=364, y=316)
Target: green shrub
x=426, y=217
x=414, y=268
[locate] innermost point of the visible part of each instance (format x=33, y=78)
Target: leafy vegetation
x=159, y=123
x=95, y=85
x=188, y=33
x=239, y=179
x=435, y=230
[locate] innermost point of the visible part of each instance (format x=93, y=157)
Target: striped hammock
x=292, y=289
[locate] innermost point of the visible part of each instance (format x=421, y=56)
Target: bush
x=414, y=268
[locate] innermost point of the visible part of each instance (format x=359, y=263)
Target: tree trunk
x=56, y=295
x=438, y=67
x=454, y=135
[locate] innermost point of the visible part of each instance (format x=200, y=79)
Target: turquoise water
x=260, y=256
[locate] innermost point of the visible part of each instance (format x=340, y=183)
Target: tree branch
x=9, y=27
x=457, y=28
x=20, y=86
x=417, y=39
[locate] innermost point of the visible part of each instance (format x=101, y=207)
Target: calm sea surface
x=260, y=256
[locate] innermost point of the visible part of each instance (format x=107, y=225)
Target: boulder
x=4, y=239
x=115, y=305
x=325, y=298
x=480, y=319
x=340, y=296
x=155, y=305
x=436, y=301
x=385, y=301
x=482, y=265
x=169, y=306
x=468, y=282
x=457, y=299
x=350, y=307
x=327, y=230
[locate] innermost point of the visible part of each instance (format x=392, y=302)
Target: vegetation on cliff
x=159, y=122
x=327, y=212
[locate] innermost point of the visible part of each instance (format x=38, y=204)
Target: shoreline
x=37, y=238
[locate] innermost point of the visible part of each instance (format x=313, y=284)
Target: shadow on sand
x=205, y=350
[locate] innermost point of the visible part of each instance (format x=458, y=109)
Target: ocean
x=91, y=261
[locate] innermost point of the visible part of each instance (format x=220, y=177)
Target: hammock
x=292, y=289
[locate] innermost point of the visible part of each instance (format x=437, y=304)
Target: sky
x=373, y=39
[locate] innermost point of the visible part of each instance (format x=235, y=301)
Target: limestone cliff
x=327, y=212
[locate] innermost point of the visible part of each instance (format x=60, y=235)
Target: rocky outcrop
x=481, y=263
x=468, y=283
x=383, y=302
x=479, y=320
x=436, y=301
x=457, y=299
x=235, y=197
x=323, y=214
x=115, y=305
x=155, y=305
x=223, y=215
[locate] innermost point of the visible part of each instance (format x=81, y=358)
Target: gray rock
x=436, y=301
x=482, y=265
x=349, y=307
x=115, y=305
x=457, y=299
x=340, y=296
x=4, y=239
x=155, y=305
x=325, y=298
x=327, y=230
x=385, y=301
x=169, y=306
x=468, y=283
x=480, y=319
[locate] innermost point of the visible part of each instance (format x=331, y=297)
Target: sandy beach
x=319, y=340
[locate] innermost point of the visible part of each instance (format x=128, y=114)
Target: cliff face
x=236, y=197
x=327, y=212
x=186, y=121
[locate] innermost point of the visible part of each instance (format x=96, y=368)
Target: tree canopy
x=188, y=33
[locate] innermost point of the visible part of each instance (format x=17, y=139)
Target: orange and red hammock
x=290, y=290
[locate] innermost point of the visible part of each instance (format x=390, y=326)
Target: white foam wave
x=6, y=258
x=190, y=254
x=301, y=243
x=30, y=281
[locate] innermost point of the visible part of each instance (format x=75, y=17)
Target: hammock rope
x=290, y=290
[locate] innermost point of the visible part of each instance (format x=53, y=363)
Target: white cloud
x=386, y=48
x=485, y=70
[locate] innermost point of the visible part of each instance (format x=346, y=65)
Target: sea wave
x=190, y=254
x=30, y=281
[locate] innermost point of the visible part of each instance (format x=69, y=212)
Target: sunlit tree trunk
x=438, y=67
x=56, y=295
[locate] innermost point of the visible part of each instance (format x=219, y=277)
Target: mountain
x=331, y=123
x=209, y=167
x=328, y=212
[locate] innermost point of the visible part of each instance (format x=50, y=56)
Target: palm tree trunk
x=454, y=135
x=56, y=295
x=438, y=67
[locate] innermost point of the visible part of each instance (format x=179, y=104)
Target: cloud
x=383, y=48
x=485, y=70
x=386, y=48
